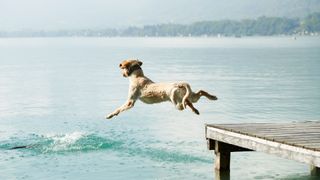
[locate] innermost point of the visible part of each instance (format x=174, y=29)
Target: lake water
x=55, y=93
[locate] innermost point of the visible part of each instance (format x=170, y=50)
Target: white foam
x=65, y=141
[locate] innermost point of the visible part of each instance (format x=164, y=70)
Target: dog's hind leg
x=192, y=107
x=196, y=96
x=179, y=106
x=176, y=100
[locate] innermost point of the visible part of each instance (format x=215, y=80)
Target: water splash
x=59, y=143
x=84, y=142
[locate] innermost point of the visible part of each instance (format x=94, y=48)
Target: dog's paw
x=109, y=116
x=196, y=111
x=211, y=97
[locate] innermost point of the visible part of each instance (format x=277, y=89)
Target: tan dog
x=147, y=91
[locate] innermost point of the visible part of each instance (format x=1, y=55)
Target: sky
x=98, y=14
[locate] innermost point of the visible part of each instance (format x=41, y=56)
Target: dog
x=144, y=89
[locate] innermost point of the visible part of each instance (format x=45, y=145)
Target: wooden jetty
x=296, y=141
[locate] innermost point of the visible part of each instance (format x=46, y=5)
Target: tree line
x=262, y=26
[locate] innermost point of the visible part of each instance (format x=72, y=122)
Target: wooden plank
x=311, y=138
x=307, y=145
x=293, y=142
x=306, y=134
x=274, y=130
x=311, y=143
x=270, y=125
x=263, y=145
x=266, y=127
x=315, y=131
x=211, y=145
x=280, y=130
x=247, y=130
x=291, y=138
x=290, y=133
x=294, y=138
x=305, y=138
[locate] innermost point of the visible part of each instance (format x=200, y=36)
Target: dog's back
x=155, y=92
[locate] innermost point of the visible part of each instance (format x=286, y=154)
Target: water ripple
x=34, y=144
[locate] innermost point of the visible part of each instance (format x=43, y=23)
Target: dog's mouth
x=124, y=73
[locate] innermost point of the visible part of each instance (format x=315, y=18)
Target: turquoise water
x=55, y=93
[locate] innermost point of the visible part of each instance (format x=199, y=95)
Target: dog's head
x=129, y=66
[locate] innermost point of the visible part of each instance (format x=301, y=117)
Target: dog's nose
x=120, y=65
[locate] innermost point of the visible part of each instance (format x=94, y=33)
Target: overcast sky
x=78, y=14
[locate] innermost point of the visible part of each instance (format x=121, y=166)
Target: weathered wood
x=222, y=157
x=211, y=144
x=290, y=134
x=296, y=141
x=268, y=128
x=275, y=125
x=221, y=175
x=222, y=161
x=283, y=150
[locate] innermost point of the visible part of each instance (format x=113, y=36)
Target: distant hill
x=188, y=11
x=262, y=26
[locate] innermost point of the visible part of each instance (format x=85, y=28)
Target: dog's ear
x=139, y=62
x=124, y=64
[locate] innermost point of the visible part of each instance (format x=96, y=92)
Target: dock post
x=222, y=161
x=315, y=171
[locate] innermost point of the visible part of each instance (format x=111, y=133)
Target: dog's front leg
x=129, y=104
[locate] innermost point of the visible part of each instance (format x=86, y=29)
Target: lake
x=55, y=93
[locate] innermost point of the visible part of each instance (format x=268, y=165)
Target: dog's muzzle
x=133, y=68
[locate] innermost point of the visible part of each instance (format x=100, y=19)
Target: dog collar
x=133, y=68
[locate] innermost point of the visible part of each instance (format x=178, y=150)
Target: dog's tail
x=185, y=97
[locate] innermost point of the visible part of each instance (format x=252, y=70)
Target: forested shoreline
x=262, y=26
